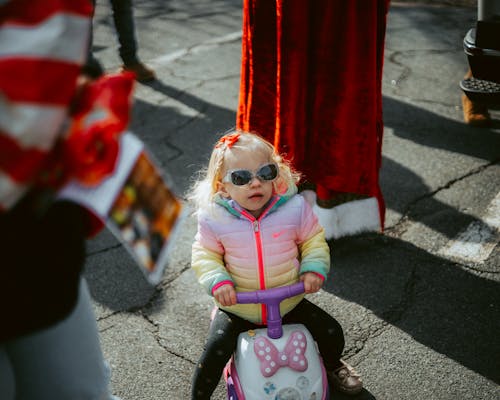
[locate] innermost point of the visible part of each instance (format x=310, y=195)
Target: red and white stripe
x=43, y=44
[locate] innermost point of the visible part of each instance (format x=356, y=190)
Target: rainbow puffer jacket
x=233, y=247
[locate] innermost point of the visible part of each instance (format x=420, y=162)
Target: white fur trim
x=348, y=218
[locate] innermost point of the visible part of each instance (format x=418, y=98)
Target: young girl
x=255, y=232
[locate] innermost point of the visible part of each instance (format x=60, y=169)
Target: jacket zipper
x=260, y=259
x=260, y=255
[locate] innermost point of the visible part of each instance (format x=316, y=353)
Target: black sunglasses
x=240, y=177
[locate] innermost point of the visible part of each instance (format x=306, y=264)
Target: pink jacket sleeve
x=207, y=258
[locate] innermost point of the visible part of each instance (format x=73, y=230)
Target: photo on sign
x=144, y=214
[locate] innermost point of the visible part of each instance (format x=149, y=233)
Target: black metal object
x=479, y=90
x=482, y=47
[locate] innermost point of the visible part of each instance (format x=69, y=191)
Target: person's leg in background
x=92, y=66
x=475, y=114
x=64, y=361
x=123, y=17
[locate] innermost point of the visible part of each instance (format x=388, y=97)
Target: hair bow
x=228, y=140
x=271, y=360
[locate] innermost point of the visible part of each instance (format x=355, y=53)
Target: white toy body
x=258, y=355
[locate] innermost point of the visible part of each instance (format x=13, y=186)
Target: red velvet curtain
x=311, y=84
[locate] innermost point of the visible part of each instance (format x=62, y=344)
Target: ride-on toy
x=280, y=362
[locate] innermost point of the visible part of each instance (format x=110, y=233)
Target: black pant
x=43, y=252
x=223, y=336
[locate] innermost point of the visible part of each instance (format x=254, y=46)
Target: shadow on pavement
x=402, y=188
x=405, y=192
x=363, y=395
x=184, y=140
x=432, y=130
x=114, y=280
x=443, y=307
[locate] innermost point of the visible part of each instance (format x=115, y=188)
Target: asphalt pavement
x=419, y=304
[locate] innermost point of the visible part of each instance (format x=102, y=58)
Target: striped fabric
x=43, y=44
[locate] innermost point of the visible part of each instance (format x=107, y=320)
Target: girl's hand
x=225, y=295
x=312, y=282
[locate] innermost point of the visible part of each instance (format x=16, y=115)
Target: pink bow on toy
x=292, y=356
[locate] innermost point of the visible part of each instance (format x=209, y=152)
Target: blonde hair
x=204, y=190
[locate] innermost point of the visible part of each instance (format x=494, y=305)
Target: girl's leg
x=323, y=327
x=61, y=362
x=220, y=345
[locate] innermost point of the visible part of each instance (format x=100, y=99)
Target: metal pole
x=487, y=9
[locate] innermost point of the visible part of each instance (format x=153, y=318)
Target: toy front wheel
x=231, y=390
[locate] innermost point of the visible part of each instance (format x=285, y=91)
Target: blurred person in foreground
x=49, y=343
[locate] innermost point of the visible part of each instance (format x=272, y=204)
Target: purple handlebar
x=272, y=299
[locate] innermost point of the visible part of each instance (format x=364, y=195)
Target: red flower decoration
x=90, y=151
x=228, y=140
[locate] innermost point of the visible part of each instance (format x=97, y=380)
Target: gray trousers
x=63, y=362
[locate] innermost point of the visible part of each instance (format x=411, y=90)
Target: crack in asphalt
x=406, y=70
x=158, y=338
x=197, y=48
x=104, y=250
x=401, y=225
x=362, y=334
x=155, y=325
x=397, y=311
x=476, y=270
x=178, y=152
x=99, y=319
x=143, y=310
x=392, y=57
